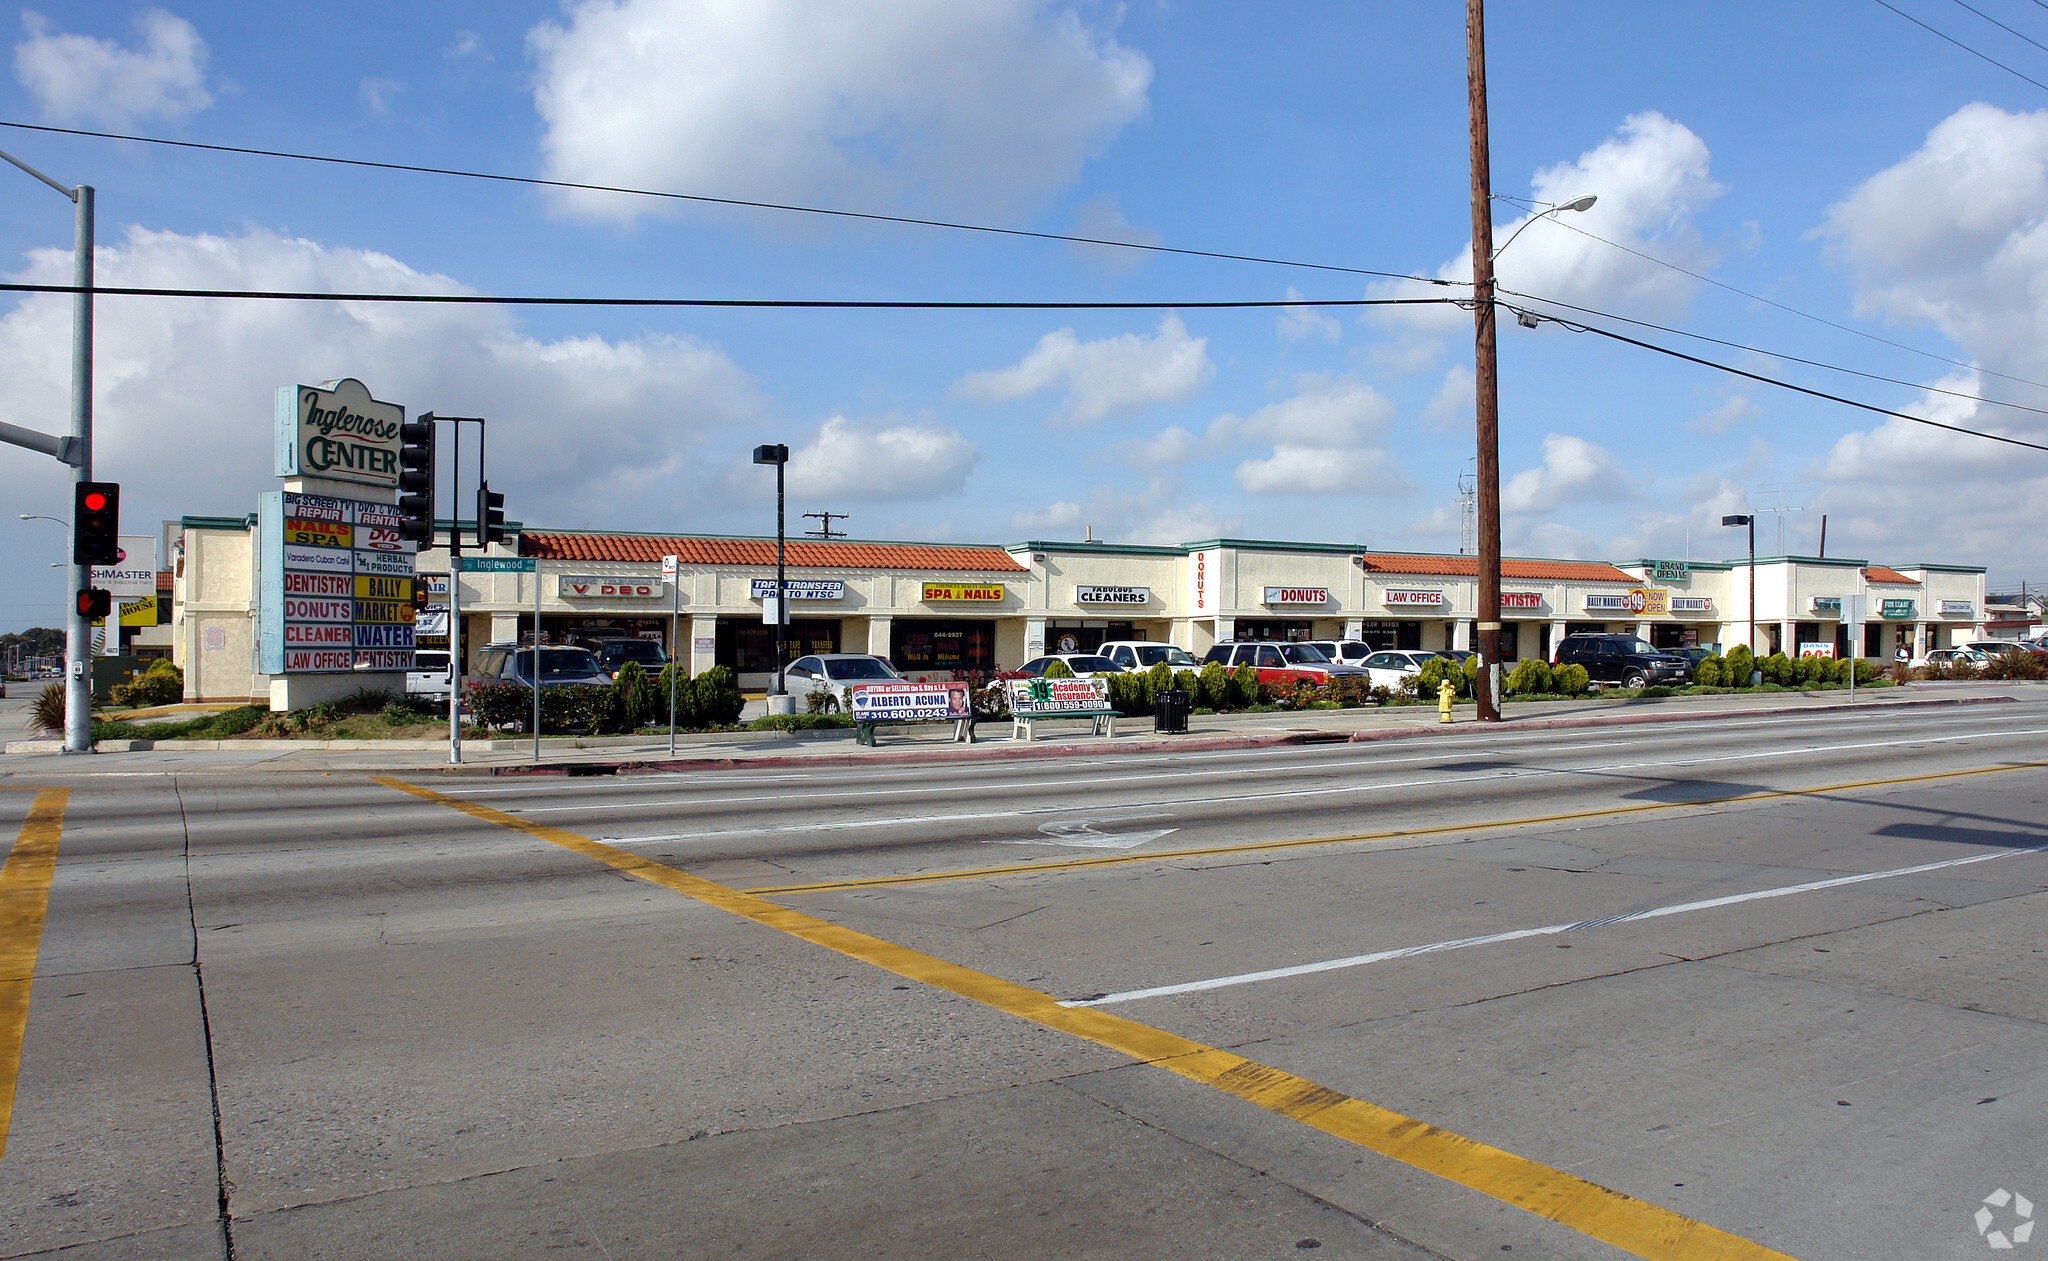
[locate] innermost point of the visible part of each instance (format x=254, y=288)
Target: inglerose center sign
x=337, y=431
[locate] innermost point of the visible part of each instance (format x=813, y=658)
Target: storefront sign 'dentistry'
x=1112, y=595
x=337, y=431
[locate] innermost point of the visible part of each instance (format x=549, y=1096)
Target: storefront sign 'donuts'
x=1112, y=595
x=983, y=592
x=338, y=432
x=1410, y=599
x=1296, y=595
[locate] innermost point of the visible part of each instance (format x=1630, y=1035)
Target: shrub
x=1709, y=672
x=366, y=700
x=1737, y=666
x=1779, y=669
x=241, y=718
x=1131, y=694
x=1530, y=676
x=1215, y=683
x=718, y=699
x=1160, y=677
x=1901, y=673
x=161, y=684
x=1435, y=673
x=1811, y=670
x=1347, y=690
x=674, y=677
x=1059, y=670
x=799, y=722
x=1188, y=681
x=1242, y=692
x=2014, y=665
x=1570, y=680
x=633, y=696
x=48, y=710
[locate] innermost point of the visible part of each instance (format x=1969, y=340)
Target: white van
x=1143, y=654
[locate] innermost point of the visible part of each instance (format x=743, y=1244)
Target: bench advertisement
x=909, y=702
x=1058, y=696
x=336, y=592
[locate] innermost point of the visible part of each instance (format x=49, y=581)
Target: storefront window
x=1071, y=636
x=927, y=647
x=1671, y=635
x=1273, y=628
x=747, y=646
x=1385, y=636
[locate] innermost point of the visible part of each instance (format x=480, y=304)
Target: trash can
x=1170, y=712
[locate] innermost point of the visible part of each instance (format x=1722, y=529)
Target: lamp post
x=1749, y=519
x=779, y=457
x=77, y=452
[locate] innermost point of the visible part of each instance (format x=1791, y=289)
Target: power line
x=1789, y=310
x=1965, y=47
x=1577, y=327
x=537, y=182
x=1811, y=363
x=471, y=299
x=2002, y=26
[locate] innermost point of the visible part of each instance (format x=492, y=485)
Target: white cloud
x=184, y=386
x=1116, y=376
x=1303, y=322
x=1954, y=235
x=1160, y=513
x=1327, y=439
x=377, y=94
x=1100, y=219
x=1651, y=178
x=1573, y=471
x=1725, y=415
x=1170, y=446
x=1454, y=405
x=76, y=78
x=853, y=462
x=986, y=108
x=466, y=44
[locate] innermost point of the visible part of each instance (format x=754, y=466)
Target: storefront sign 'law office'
x=337, y=431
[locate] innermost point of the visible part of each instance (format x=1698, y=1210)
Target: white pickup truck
x=428, y=678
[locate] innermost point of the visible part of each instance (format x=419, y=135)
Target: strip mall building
x=933, y=608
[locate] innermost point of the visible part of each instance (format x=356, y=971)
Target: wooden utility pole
x=1486, y=386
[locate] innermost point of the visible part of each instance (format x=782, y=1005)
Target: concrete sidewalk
x=933, y=742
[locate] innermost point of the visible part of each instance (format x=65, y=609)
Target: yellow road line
x=1633, y=1225
x=1034, y=866
x=24, y=893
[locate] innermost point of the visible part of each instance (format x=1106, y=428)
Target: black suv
x=1622, y=659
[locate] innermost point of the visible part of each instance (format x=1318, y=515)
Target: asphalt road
x=1776, y=980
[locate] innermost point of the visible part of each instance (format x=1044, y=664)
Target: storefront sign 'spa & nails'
x=337, y=431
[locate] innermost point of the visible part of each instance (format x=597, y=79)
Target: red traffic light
x=95, y=501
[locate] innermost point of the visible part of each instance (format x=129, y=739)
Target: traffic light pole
x=78, y=631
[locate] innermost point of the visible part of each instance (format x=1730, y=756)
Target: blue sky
x=1829, y=157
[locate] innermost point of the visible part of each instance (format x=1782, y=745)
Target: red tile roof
x=1526, y=570
x=163, y=581
x=1878, y=573
x=802, y=554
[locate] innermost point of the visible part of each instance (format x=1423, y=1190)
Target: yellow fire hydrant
x=1445, y=693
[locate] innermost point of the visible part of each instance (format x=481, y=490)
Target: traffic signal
x=96, y=524
x=416, y=480
x=419, y=595
x=490, y=516
x=94, y=604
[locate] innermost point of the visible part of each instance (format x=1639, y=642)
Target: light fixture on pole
x=778, y=701
x=1748, y=519
x=1576, y=203
x=74, y=449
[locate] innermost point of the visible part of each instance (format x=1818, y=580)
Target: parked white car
x=834, y=672
x=1348, y=652
x=1143, y=654
x=428, y=679
x=1082, y=664
x=1390, y=666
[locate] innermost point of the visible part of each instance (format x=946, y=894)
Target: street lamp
x=1576, y=203
x=75, y=450
x=1749, y=519
x=778, y=702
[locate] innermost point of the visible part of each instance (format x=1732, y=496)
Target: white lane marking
x=1081, y=834
x=1488, y=939
x=1509, y=773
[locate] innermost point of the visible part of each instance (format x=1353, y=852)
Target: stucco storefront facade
x=934, y=608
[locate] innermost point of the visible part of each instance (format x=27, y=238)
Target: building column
x=699, y=627
x=1643, y=631
x=878, y=636
x=1920, y=645
x=1354, y=627
x=1556, y=634
x=1461, y=635
x=1034, y=637
x=1788, y=638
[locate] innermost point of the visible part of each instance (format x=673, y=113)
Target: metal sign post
x=536, y=665
x=675, y=644
x=1854, y=609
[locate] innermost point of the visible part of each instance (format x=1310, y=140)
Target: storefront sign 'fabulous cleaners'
x=337, y=431
x=336, y=588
